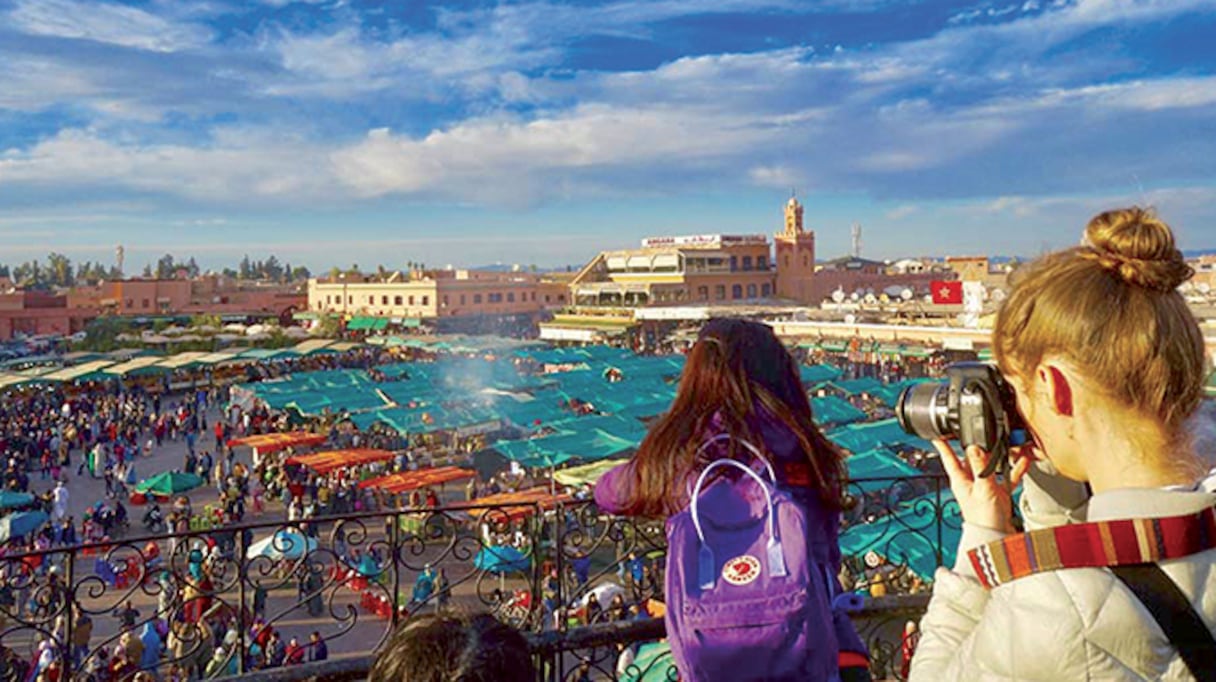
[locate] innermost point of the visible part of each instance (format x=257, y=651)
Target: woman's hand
x=985, y=502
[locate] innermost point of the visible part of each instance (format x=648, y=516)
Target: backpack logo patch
x=741, y=570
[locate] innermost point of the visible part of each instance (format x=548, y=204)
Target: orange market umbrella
x=517, y=505
x=275, y=442
x=413, y=480
x=325, y=462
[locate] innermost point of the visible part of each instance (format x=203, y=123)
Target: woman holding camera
x=1107, y=364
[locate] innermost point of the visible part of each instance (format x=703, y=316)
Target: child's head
x=737, y=376
x=448, y=648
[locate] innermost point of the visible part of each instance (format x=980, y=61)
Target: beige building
x=702, y=269
x=437, y=294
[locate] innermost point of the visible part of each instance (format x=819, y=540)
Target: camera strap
x=1096, y=544
x=1175, y=615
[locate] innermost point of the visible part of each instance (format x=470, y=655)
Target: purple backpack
x=744, y=600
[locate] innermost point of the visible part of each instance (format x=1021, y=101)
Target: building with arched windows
x=713, y=269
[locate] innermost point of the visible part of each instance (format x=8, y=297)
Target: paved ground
x=348, y=628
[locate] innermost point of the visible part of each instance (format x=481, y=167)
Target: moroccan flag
x=947, y=292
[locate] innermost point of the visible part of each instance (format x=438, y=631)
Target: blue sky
x=541, y=131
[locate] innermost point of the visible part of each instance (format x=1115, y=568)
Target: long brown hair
x=736, y=369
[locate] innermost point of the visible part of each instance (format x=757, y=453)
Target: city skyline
x=541, y=132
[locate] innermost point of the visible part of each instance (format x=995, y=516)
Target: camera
x=974, y=404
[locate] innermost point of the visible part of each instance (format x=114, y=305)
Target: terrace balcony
x=353, y=577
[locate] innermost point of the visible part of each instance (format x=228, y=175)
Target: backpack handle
x=754, y=450
x=706, y=565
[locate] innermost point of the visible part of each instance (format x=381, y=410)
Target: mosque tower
x=795, y=257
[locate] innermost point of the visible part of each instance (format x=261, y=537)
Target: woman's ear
x=1059, y=389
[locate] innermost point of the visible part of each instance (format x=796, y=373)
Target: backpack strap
x=1096, y=544
x=1174, y=613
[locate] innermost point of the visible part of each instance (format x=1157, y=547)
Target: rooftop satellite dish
x=871, y=298
x=850, y=319
x=838, y=295
x=906, y=294
x=855, y=297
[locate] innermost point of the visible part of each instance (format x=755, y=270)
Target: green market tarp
x=854, y=387
x=889, y=394
x=834, y=411
x=875, y=435
x=910, y=536
x=817, y=374
x=10, y=499
x=169, y=483
x=876, y=464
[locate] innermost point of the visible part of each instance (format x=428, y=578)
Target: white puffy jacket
x=1072, y=624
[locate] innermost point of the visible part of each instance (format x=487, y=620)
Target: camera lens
x=922, y=409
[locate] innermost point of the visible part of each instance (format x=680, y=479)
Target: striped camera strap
x=1096, y=544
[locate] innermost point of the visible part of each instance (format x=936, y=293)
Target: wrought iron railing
x=211, y=595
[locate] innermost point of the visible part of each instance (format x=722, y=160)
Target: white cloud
x=106, y=22
x=255, y=169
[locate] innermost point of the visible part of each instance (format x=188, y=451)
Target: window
x=787, y=260
x=765, y=290
x=462, y=299
x=411, y=300
x=703, y=293
x=720, y=292
x=747, y=262
x=445, y=301
x=384, y=300
x=734, y=263
x=805, y=261
x=546, y=298
x=371, y=300
x=398, y=300
x=426, y=300
x=510, y=297
x=762, y=262
x=476, y=298
x=561, y=298
x=327, y=297
x=751, y=291
x=736, y=291
x=144, y=303
x=350, y=299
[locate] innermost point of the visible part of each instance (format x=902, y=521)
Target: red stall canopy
x=274, y=442
x=325, y=462
x=413, y=480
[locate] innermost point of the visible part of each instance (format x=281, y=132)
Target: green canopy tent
x=817, y=374
x=880, y=465
x=834, y=411
x=10, y=499
x=912, y=536
x=874, y=435
x=169, y=483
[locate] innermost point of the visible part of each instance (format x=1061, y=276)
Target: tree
x=301, y=273
x=272, y=269
x=245, y=269
x=148, y=271
x=334, y=273
x=165, y=267
x=192, y=267
x=287, y=273
x=230, y=273
x=59, y=269
x=4, y=271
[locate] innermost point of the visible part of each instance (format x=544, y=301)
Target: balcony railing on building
x=211, y=593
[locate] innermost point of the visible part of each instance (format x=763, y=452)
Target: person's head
x=738, y=371
x=475, y=648
x=1096, y=340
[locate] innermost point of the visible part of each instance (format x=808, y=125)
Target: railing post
x=242, y=626
x=394, y=541
x=69, y=579
x=941, y=519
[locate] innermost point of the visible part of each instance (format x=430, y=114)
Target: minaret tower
x=795, y=257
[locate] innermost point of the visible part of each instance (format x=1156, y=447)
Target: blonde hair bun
x=1137, y=246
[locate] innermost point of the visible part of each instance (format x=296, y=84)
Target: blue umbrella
x=501, y=559
x=10, y=499
x=21, y=524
